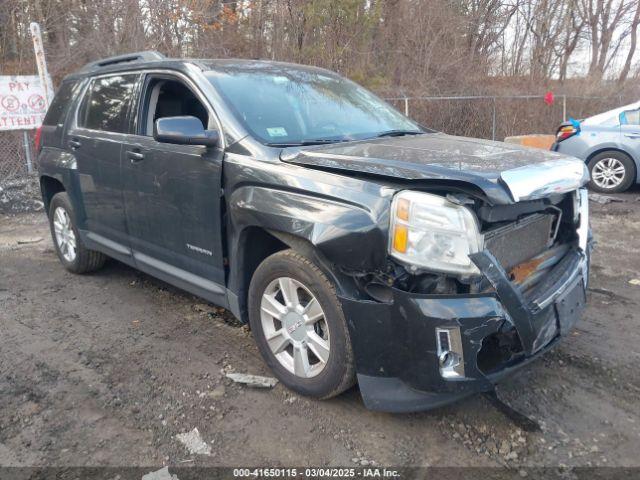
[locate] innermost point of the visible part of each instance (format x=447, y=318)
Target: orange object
x=400, y=238
x=402, y=211
x=535, y=140
x=520, y=272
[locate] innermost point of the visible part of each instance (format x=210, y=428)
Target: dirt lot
x=107, y=369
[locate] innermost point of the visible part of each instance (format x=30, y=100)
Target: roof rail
x=147, y=56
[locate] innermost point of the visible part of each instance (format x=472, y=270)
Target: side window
x=60, y=104
x=169, y=98
x=106, y=103
x=630, y=117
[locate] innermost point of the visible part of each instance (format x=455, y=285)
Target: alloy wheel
x=295, y=327
x=65, y=237
x=608, y=173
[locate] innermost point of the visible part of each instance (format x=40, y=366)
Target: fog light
x=450, y=356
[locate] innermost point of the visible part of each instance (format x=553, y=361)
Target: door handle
x=632, y=135
x=74, y=143
x=135, y=155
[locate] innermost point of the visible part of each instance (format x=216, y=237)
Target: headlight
x=431, y=232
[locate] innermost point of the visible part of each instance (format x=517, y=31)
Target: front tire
x=611, y=172
x=73, y=255
x=299, y=326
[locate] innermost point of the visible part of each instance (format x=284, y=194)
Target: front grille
x=519, y=241
x=529, y=238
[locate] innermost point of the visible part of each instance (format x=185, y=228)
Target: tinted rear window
x=58, y=108
x=106, y=103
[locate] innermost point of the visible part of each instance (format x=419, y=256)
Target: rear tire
x=72, y=253
x=611, y=172
x=299, y=326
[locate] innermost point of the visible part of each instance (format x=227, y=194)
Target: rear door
x=172, y=193
x=96, y=136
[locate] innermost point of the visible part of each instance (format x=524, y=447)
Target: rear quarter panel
x=61, y=165
x=55, y=160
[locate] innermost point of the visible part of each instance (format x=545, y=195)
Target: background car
x=610, y=145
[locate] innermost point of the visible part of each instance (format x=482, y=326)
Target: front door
x=96, y=138
x=172, y=192
x=630, y=131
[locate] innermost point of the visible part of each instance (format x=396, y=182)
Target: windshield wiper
x=399, y=133
x=305, y=143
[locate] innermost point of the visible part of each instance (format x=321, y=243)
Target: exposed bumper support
x=526, y=313
x=395, y=344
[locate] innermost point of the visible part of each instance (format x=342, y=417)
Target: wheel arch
x=254, y=245
x=49, y=186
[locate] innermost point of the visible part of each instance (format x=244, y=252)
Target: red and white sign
x=22, y=102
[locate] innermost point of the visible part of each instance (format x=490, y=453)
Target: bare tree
x=415, y=45
x=603, y=19
x=633, y=41
x=572, y=35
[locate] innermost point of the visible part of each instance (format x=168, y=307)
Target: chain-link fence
x=16, y=153
x=494, y=117
x=497, y=117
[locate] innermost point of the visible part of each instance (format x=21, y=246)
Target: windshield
x=286, y=106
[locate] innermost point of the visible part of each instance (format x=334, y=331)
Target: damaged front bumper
x=399, y=346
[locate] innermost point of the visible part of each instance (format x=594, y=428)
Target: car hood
x=504, y=172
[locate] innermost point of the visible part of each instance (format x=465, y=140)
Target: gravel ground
x=109, y=368
x=20, y=194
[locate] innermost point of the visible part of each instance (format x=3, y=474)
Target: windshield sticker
x=277, y=132
x=280, y=80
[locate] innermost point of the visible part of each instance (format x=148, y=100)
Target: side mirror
x=184, y=131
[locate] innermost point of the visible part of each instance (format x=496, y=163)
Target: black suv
x=358, y=245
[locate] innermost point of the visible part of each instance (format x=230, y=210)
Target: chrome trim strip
x=546, y=178
x=110, y=244
x=176, y=272
x=455, y=370
x=583, y=227
x=583, y=230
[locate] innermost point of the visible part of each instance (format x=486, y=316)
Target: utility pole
x=45, y=83
x=45, y=79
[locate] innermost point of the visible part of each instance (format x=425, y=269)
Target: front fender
x=348, y=235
